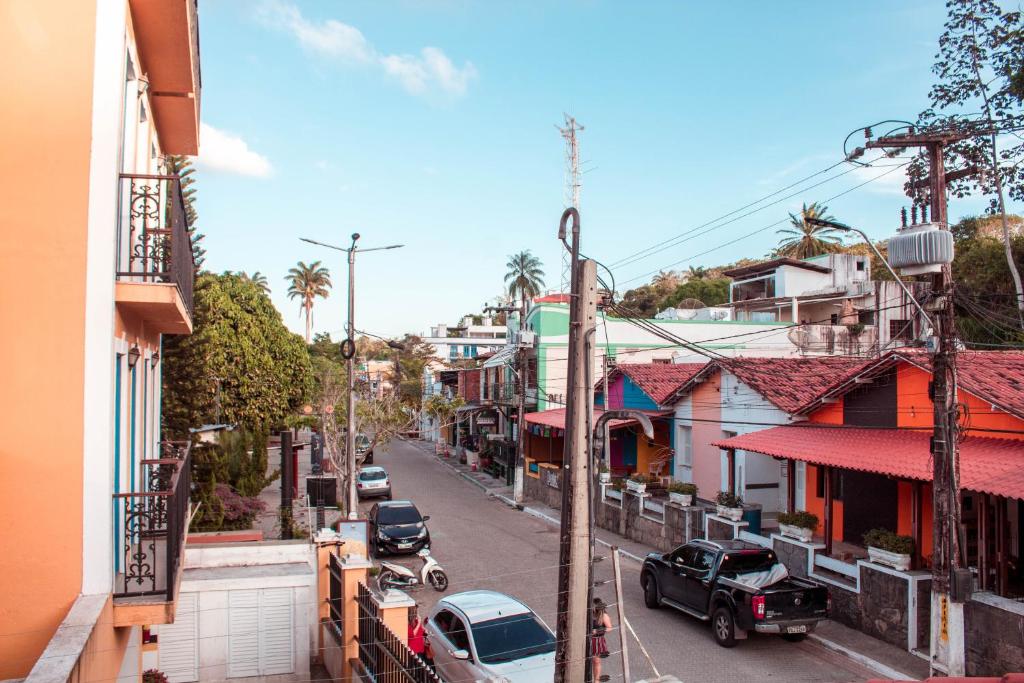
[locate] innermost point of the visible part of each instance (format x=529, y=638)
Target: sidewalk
x=887, y=660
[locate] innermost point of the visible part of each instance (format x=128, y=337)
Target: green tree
x=642, y=301
x=803, y=240
x=259, y=279
x=182, y=167
x=979, y=60
x=710, y=292
x=696, y=272
x=306, y=283
x=665, y=281
x=524, y=277
x=986, y=311
x=240, y=360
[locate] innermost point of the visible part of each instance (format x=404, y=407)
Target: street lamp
x=350, y=431
x=835, y=225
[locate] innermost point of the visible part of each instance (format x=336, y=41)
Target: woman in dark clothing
x=600, y=622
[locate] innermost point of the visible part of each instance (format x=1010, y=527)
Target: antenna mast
x=572, y=182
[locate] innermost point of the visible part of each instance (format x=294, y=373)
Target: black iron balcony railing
x=152, y=525
x=500, y=393
x=154, y=243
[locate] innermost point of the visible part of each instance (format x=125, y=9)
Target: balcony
x=847, y=340
x=152, y=525
x=167, y=36
x=156, y=269
x=499, y=393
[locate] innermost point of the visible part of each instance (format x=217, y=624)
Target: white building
x=466, y=340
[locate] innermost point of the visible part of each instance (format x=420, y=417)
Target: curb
x=864, y=660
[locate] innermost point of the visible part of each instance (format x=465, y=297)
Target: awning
x=993, y=466
x=500, y=357
x=556, y=418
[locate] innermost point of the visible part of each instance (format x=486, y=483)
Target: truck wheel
x=651, y=592
x=794, y=637
x=723, y=627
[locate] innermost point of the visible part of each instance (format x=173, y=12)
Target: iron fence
x=152, y=524
x=153, y=242
x=382, y=653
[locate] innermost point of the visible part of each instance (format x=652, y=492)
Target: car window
x=705, y=560
x=510, y=638
x=456, y=633
x=398, y=514
x=686, y=555
x=373, y=475
x=443, y=620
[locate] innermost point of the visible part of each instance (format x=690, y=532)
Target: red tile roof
x=993, y=466
x=556, y=418
x=791, y=383
x=995, y=376
x=660, y=380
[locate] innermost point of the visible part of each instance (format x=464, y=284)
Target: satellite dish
x=691, y=304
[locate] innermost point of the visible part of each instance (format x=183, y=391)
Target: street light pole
x=350, y=427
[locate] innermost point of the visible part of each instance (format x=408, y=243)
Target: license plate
x=796, y=629
x=405, y=545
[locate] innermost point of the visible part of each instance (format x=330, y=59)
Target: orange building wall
x=816, y=504
x=646, y=454
x=103, y=654
x=47, y=54
x=830, y=414
x=707, y=459
x=915, y=408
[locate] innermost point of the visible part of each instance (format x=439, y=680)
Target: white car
x=373, y=481
x=489, y=636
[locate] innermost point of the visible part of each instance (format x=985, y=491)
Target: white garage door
x=178, y=642
x=261, y=636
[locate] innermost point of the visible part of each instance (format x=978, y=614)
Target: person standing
x=416, y=640
x=600, y=622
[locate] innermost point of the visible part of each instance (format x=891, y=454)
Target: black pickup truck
x=737, y=586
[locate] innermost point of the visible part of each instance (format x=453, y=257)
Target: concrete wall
x=994, y=635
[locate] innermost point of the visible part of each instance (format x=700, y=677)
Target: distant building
x=466, y=340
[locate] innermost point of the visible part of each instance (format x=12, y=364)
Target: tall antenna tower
x=571, y=195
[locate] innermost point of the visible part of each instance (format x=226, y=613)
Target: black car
x=736, y=586
x=396, y=526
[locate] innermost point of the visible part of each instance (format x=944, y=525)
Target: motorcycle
x=396, y=576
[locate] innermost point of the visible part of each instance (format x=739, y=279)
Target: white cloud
x=418, y=74
x=884, y=176
x=222, y=151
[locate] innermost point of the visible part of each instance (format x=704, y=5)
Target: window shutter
x=243, y=633
x=276, y=634
x=179, y=642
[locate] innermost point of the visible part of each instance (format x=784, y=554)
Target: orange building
x=866, y=449
x=95, y=268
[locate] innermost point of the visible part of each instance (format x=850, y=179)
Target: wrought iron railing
x=500, y=393
x=153, y=242
x=152, y=525
x=383, y=654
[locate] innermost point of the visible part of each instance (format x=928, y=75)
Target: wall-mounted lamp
x=155, y=359
x=133, y=357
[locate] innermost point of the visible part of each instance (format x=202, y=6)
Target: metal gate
x=384, y=656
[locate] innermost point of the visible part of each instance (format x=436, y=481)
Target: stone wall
x=541, y=490
x=883, y=605
x=994, y=634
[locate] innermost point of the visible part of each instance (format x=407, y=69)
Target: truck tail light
x=757, y=604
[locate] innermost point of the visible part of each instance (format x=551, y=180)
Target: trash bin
x=322, y=488
x=752, y=516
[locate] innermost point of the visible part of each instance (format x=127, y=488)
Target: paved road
x=484, y=544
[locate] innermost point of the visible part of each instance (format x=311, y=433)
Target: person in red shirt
x=416, y=639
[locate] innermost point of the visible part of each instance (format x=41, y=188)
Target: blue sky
x=433, y=124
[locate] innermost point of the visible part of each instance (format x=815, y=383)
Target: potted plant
x=729, y=505
x=889, y=548
x=682, y=492
x=799, y=525
x=637, y=483
x=154, y=676
x=603, y=475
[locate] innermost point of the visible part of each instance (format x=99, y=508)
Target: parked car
x=373, y=481
x=489, y=636
x=737, y=586
x=363, y=449
x=396, y=526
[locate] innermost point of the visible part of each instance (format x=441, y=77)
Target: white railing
x=849, y=340
x=837, y=566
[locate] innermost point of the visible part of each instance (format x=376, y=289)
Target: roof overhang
x=766, y=267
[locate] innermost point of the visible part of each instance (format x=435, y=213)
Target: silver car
x=373, y=481
x=489, y=636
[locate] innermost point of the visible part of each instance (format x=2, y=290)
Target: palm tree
x=524, y=277
x=804, y=240
x=260, y=280
x=665, y=281
x=307, y=283
x=697, y=273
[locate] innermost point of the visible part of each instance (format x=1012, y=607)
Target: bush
x=682, y=487
x=640, y=478
x=728, y=500
x=884, y=539
x=153, y=676
x=800, y=518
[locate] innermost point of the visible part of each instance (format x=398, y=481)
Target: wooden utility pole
x=947, y=613
x=623, y=642
x=523, y=367
x=575, y=549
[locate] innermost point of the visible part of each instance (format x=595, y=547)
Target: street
x=484, y=544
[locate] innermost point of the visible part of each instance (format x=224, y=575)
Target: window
x=509, y=638
x=705, y=560
x=661, y=361
x=860, y=265
x=901, y=329
x=453, y=629
x=834, y=319
x=684, y=453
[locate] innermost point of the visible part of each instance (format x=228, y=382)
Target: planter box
x=635, y=486
x=684, y=499
x=884, y=557
x=735, y=514
x=798, y=532
x=604, y=477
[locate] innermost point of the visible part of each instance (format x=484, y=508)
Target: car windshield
x=398, y=514
x=509, y=638
x=373, y=475
x=362, y=441
x=742, y=562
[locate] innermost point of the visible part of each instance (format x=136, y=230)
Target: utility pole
x=575, y=549
x=623, y=641
x=572, y=181
x=950, y=582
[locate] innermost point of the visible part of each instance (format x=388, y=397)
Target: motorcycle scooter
x=396, y=576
